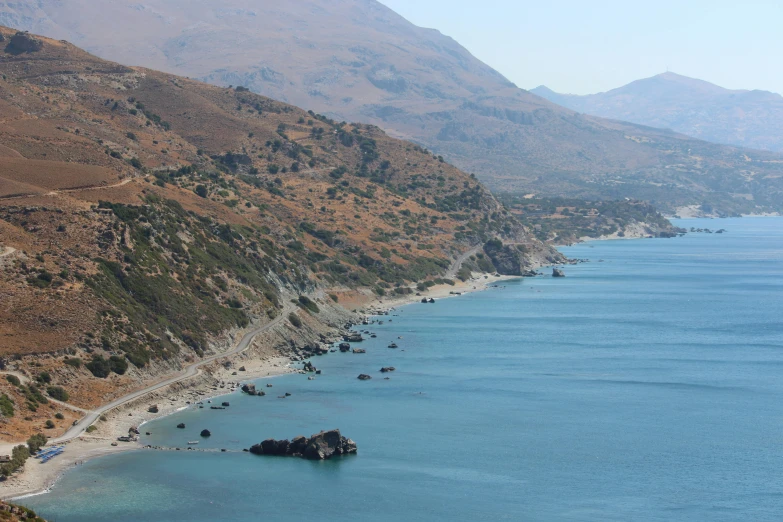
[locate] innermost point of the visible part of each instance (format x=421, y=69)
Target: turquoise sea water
x=644, y=387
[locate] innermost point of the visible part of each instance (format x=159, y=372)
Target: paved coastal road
x=188, y=372
x=455, y=266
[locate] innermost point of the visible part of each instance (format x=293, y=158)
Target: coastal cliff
x=14, y=513
x=148, y=222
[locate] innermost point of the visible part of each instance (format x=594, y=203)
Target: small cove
x=642, y=387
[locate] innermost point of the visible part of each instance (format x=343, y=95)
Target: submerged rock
x=181, y=425
x=364, y=377
x=320, y=446
x=388, y=369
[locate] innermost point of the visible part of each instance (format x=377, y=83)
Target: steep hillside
x=690, y=106
x=145, y=219
x=359, y=61
x=14, y=513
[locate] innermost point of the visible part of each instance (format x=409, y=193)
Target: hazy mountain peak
x=688, y=105
x=357, y=60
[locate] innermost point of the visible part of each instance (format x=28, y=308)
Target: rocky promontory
x=320, y=446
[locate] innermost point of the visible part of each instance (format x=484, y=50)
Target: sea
x=646, y=385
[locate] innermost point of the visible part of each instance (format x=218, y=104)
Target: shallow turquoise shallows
x=646, y=386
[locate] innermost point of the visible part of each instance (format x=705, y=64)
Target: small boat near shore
x=192, y=442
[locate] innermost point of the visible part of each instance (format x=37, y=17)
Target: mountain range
x=145, y=218
x=357, y=60
x=693, y=107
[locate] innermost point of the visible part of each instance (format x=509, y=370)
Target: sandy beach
x=212, y=381
x=37, y=478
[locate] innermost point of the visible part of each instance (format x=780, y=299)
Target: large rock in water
x=320, y=446
x=556, y=272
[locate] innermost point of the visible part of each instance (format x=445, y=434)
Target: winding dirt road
x=188, y=372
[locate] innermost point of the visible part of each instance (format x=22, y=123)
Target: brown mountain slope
x=357, y=60
x=144, y=218
x=690, y=106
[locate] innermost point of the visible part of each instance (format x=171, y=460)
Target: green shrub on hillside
x=294, y=319
x=101, y=367
x=73, y=361
x=58, y=393
x=19, y=456
x=308, y=304
x=6, y=406
x=36, y=442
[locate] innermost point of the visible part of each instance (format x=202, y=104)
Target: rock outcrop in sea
x=556, y=272
x=320, y=446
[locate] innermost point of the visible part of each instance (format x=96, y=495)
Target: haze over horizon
x=603, y=45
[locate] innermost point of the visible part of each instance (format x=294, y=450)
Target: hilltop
x=743, y=118
x=146, y=220
x=357, y=60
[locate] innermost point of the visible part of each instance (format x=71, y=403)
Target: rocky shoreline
x=271, y=354
x=321, y=446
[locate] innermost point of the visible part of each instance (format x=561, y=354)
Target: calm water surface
x=646, y=386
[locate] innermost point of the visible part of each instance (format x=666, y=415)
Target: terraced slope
x=357, y=60
x=145, y=217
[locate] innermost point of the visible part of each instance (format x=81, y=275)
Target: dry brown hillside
x=358, y=60
x=143, y=216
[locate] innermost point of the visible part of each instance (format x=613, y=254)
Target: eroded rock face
x=23, y=42
x=320, y=446
x=353, y=337
x=507, y=259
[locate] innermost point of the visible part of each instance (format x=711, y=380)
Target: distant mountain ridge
x=357, y=60
x=743, y=118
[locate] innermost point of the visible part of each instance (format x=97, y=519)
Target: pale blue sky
x=584, y=47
